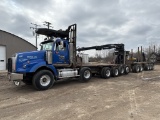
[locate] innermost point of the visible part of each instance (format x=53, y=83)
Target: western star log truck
x=59, y=58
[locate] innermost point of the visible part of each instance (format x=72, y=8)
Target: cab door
x=60, y=53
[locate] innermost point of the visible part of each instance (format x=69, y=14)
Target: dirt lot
x=128, y=97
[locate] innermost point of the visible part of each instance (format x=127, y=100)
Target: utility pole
x=48, y=24
x=35, y=28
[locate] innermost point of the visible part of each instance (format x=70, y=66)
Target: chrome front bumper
x=15, y=77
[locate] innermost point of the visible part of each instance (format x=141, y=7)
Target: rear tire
x=149, y=66
x=106, y=72
x=136, y=68
x=126, y=70
x=146, y=67
x=152, y=66
x=121, y=70
x=115, y=72
x=85, y=74
x=140, y=68
x=43, y=80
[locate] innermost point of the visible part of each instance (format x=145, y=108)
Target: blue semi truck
x=59, y=58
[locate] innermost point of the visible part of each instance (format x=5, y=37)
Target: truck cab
x=59, y=48
x=55, y=60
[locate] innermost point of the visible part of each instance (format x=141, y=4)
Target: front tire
x=43, y=80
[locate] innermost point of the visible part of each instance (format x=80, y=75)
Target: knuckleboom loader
x=59, y=58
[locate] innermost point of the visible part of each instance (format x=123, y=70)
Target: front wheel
x=43, y=80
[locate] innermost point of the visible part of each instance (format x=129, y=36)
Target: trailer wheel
x=146, y=67
x=136, y=68
x=43, y=80
x=85, y=74
x=140, y=68
x=152, y=66
x=121, y=70
x=106, y=72
x=149, y=66
x=126, y=71
x=115, y=72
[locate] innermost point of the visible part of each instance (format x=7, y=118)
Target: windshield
x=47, y=46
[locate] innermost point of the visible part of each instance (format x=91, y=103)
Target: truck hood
x=24, y=56
x=28, y=59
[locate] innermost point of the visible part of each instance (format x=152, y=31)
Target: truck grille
x=10, y=65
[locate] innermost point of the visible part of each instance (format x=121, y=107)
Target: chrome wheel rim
x=127, y=69
x=122, y=71
x=45, y=80
x=149, y=67
x=137, y=68
x=108, y=73
x=87, y=74
x=116, y=72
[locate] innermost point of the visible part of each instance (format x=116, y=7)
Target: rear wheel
x=146, y=67
x=85, y=74
x=136, y=68
x=43, y=80
x=121, y=69
x=152, y=66
x=140, y=68
x=149, y=66
x=126, y=70
x=115, y=72
x=106, y=72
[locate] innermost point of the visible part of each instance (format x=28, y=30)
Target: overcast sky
x=132, y=22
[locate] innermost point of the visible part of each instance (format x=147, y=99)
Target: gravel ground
x=128, y=97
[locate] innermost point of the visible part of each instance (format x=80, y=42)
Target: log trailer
x=59, y=58
x=139, y=63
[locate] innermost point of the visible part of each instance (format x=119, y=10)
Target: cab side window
x=60, y=46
